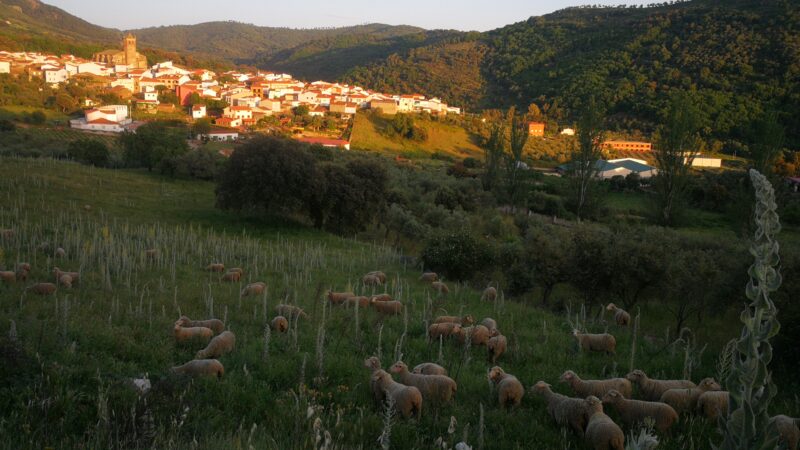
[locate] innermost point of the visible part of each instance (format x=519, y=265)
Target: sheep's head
x=567, y=376
x=710, y=384
x=399, y=367
x=372, y=363
x=575, y=332
x=495, y=332
x=495, y=373
x=636, y=376
x=468, y=320
x=612, y=396
x=379, y=376
x=594, y=404
x=540, y=387
x=611, y=307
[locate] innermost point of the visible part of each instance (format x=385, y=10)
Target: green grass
x=64, y=384
x=14, y=112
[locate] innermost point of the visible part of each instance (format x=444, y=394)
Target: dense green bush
x=89, y=151
x=457, y=254
x=203, y=164
x=154, y=145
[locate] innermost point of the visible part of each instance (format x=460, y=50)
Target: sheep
x=216, y=325
x=463, y=321
x=381, y=276
x=256, y=288
x=290, y=311
x=684, y=400
x=76, y=276
x=636, y=411
x=489, y=294
x=216, y=267
x=496, y=346
x=440, y=287
x=279, y=324
x=43, y=288
x=787, y=430
x=621, y=317
x=231, y=277
x=87, y=208
x=393, y=308
x=438, y=389
x=8, y=276
x=237, y=270
x=371, y=280
x=713, y=403
x=598, y=388
x=7, y=233
x=151, y=253
x=509, y=389
x=601, y=432
x=374, y=364
x=489, y=323
x=183, y=334
x=429, y=277
x=65, y=281
x=429, y=369
x=362, y=301
x=478, y=335
x=443, y=329
x=220, y=345
x=566, y=411
x=337, y=298
x=60, y=253
x=407, y=399
x=596, y=342
x=651, y=390
x=200, y=368
x=381, y=298
x=22, y=271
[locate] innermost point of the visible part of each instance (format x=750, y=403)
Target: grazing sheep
x=429, y=369
x=596, y=342
x=256, y=288
x=598, y=388
x=496, y=346
x=381, y=298
x=290, y=311
x=183, y=334
x=216, y=325
x=636, y=411
x=489, y=294
x=443, y=330
x=65, y=281
x=438, y=389
x=76, y=276
x=564, y=410
x=371, y=280
x=279, y=324
x=601, y=432
x=87, y=208
x=621, y=317
x=216, y=267
x=43, y=288
x=463, y=321
x=60, y=253
x=220, y=345
x=393, y=308
x=337, y=298
x=237, y=270
x=440, y=287
x=489, y=323
x=429, y=277
x=23, y=267
x=478, y=335
x=378, y=394
x=8, y=276
x=151, y=253
x=232, y=277
x=651, y=390
x=201, y=368
x=684, y=400
x=509, y=389
x=787, y=430
x=381, y=276
x=6, y=233
x=407, y=399
x=713, y=403
x=362, y=301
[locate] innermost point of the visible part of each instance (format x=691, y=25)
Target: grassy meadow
x=66, y=360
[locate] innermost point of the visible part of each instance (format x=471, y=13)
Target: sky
x=480, y=15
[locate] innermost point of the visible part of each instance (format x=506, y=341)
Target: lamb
x=443, y=329
x=438, y=389
x=381, y=298
x=429, y=369
x=216, y=267
x=232, y=277
x=256, y=288
x=440, y=287
x=598, y=388
x=651, y=390
x=381, y=276
x=684, y=400
x=478, y=335
x=220, y=345
x=596, y=342
x=509, y=389
x=636, y=411
x=429, y=277
x=43, y=288
x=371, y=280
x=407, y=399
x=362, y=301
x=337, y=298
x=787, y=430
x=76, y=276
x=290, y=311
x=713, y=403
x=601, y=432
x=496, y=346
x=65, y=281
x=393, y=308
x=151, y=253
x=621, y=317
x=279, y=324
x=489, y=323
x=464, y=321
x=374, y=365
x=183, y=334
x=8, y=276
x=566, y=411
x=201, y=368
x=216, y=325
x=489, y=294
x=60, y=253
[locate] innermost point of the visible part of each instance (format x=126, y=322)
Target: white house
x=111, y=118
x=618, y=167
x=198, y=111
x=56, y=75
x=568, y=132
x=5, y=66
x=220, y=135
x=238, y=112
x=705, y=161
x=150, y=96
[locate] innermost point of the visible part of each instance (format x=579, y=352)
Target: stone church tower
x=129, y=49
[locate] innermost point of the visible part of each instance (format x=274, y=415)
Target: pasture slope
x=63, y=374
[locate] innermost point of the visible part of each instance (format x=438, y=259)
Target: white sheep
x=184, y=334
x=392, y=308
x=65, y=281
x=788, y=431
x=256, y=288
x=598, y=388
x=489, y=323
x=601, y=432
x=429, y=277
x=429, y=368
x=621, y=317
x=8, y=276
x=478, y=335
x=337, y=298
x=440, y=287
x=381, y=298
x=380, y=275
x=684, y=400
x=651, y=389
x=407, y=399
x=463, y=321
x=596, y=342
x=76, y=276
x=279, y=324
x=509, y=389
x=496, y=346
x=43, y=288
x=216, y=325
x=378, y=394
x=446, y=329
x=633, y=412
x=231, y=277
x=566, y=411
x=60, y=253
x=438, y=389
x=489, y=294
x=220, y=345
x=290, y=311
x=713, y=403
x=362, y=301
x=216, y=267
x=371, y=280
x=201, y=368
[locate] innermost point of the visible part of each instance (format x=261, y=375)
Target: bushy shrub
x=89, y=151
x=457, y=255
x=155, y=145
x=203, y=164
x=471, y=163
x=7, y=126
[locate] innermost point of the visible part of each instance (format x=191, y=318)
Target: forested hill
x=739, y=57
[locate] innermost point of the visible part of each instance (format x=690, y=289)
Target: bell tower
x=129, y=49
